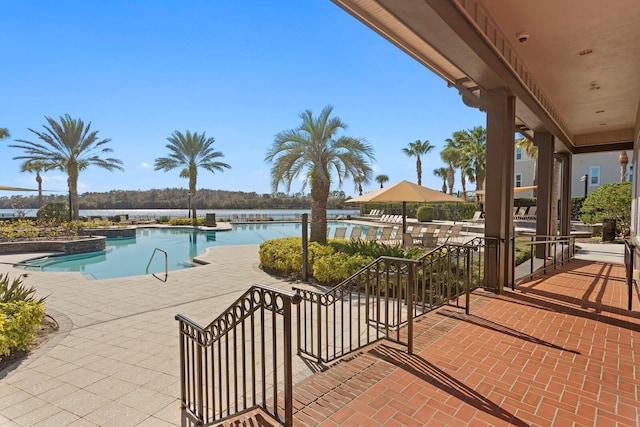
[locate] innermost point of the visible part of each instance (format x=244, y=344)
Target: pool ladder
x=166, y=264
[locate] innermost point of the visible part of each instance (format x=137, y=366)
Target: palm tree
x=475, y=148
x=381, y=179
x=450, y=155
x=531, y=150
x=418, y=148
x=191, y=151
x=442, y=173
x=358, y=180
x=314, y=150
x=623, y=160
x=4, y=133
x=37, y=167
x=69, y=146
x=459, y=158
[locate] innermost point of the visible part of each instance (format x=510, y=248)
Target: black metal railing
x=376, y=302
x=629, y=255
x=231, y=365
x=371, y=305
x=447, y=273
x=243, y=359
x=546, y=254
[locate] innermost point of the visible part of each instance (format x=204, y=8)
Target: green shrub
x=425, y=213
x=335, y=268
x=18, y=321
x=57, y=212
x=370, y=248
x=610, y=201
x=13, y=290
x=163, y=219
x=328, y=264
x=186, y=221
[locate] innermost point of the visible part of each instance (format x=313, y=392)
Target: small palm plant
x=13, y=290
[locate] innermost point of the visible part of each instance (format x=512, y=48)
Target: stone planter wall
x=109, y=232
x=75, y=246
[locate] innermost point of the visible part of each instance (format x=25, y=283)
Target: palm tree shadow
x=426, y=371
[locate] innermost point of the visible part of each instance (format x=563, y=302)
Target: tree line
x=178, y=198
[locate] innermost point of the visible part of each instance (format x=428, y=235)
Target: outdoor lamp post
x=189, y=214
x=585, y=178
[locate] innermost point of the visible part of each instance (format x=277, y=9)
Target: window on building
x=518, y=153
x=594, y=175
x=518, y=182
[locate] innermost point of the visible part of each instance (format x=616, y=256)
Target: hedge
x=18, y=322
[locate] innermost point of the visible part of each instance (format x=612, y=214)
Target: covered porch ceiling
x=573, y=66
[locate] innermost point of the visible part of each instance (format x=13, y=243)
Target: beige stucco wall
x=581, y=164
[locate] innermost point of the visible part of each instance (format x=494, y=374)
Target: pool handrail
x=166, y=264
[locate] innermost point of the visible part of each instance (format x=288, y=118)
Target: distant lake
x=182, y=213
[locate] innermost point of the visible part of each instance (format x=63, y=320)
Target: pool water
x=130, y=256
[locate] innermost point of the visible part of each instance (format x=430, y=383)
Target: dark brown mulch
x=47, y=327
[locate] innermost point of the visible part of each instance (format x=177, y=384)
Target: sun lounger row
x=389, y=235
x=525, y=213
x=425, y=236
x=374, y=212
x=432, y=235
x=394, y=219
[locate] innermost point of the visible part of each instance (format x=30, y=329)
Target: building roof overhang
x=573, y=70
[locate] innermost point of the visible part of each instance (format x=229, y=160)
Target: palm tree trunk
x=450, y=179
x=72, y=181
x=319, y=197
x=463, y=183
x=419, y=170
x=39, y=181
x=193, y=173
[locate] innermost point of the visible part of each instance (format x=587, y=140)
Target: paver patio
x=557, y=351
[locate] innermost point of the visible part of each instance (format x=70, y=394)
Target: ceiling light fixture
x=585, y=52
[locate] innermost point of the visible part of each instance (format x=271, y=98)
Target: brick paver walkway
x=557, y=351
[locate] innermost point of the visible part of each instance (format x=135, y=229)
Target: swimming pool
x=130, y=256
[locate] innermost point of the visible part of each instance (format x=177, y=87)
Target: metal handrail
x=387, y=294
x=547, y=253
x=228, y=366
x=629, y=255
x=372, y=304
x=166, y=264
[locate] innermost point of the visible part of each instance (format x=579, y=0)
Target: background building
x=600, y=168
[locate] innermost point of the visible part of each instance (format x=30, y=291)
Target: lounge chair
x=407, y=241
x=356, y=233
x=385, y=237
x=531, y=213
x=416, y=231
x=372, y=233
x=478, y=216
x=522, y=212
x=454, y=233
x=431, y=229
x=340, y=233
x=443, y=233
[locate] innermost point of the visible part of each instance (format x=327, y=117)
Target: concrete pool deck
x=114, y=361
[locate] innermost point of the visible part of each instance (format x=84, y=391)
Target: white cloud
x=144, y=165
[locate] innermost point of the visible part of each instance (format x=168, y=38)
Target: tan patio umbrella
x=5, y=188
x=405, y=191
x=515, y=189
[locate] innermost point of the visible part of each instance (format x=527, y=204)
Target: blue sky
x=239, y=71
